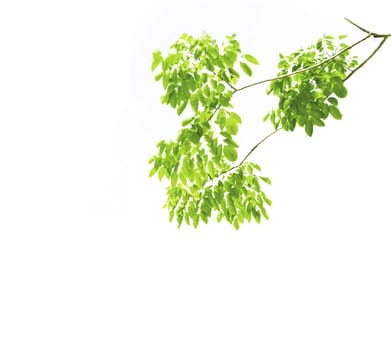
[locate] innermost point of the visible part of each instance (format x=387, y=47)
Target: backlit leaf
x=335, y=112
x=251, y=59
x=231, y=153
x=246, y=69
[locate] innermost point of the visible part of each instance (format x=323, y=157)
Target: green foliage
x=309, y=82
x=198, y=77
x=199, y=73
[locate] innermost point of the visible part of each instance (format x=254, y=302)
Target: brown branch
x=368, y=58
x=248, y=154
x=375, y=35
x=356, y=25
x=255, y=147
x=369, y=34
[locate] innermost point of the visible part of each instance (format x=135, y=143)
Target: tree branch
x=305, y=69
x=369, y=34
x=255, y=147
x=375, y=35
x=368, y=58
x=248, y=154
x=356, y=25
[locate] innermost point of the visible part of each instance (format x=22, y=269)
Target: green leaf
x=152, y=172
x=236, y=117
x=171, y=215
x=159, y=76
x=309, y=128
x=194, y=102
x=251, y=59
x=156, y=59
x=317, y=122
x=264, y=213
x=256, y=215
x=187, y=121
x=333, y=101
x=267, y=200
x=220, y=217
x=340, y=90
x=231, y=125
x=162, y=172
x=266, y=179
x=196, y=220
x=335, y=112
x=172, y=99
x=181, y=107
x=220, y=87
x=230, y=153
x=246, y=68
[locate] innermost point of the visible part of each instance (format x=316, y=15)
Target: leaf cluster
x=199, y=73
x=198, y=77
x=309, y=83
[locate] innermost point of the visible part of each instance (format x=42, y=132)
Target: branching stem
x=368, y=58
x=249, y=153
x=369, y=35
x=305, y=69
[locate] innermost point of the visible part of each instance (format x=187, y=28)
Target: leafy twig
x=369, y=34
x=305, y=69
x=248, y=154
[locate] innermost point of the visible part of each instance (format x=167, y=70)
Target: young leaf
x=194, y=102
x=236, y=117
x=231, y=125
x=152, y=172
x=266, y=179
x=340, y=90
x=309, y=128
x=159, y=76
x=335, y=112
x=156, y=59
x=181, y=108
x=251, y=59
x=230, y=153
x=246, y=69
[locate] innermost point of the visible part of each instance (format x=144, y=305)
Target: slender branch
x=375, y=35
x=255, y=147
x=305, y=69
x=368, y=58
x=213, y=113
x=231, y=86
x=369, y=34
x=356, y=25
x=249, y=153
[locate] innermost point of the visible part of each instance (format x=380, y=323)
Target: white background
x=88, y=259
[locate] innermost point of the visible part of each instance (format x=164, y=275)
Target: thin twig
x=248, y=154
x=356, y=25
x=369, y=57
x=375, y=35
x=255, y=147
x=231, y=86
